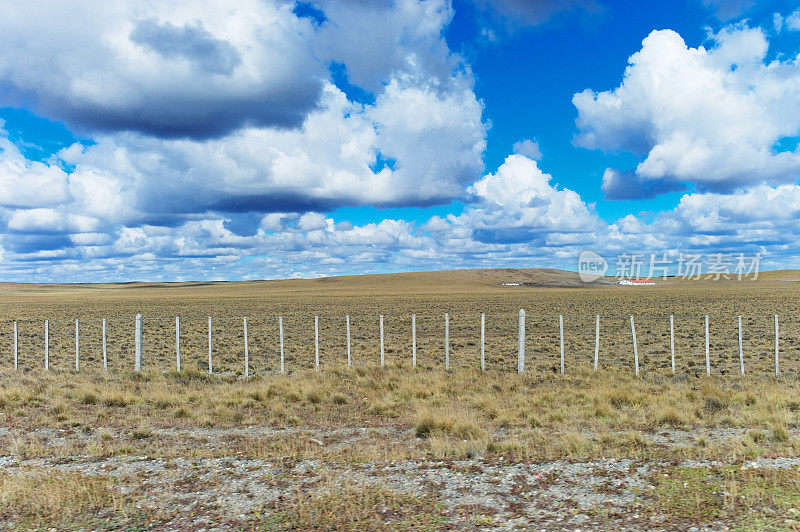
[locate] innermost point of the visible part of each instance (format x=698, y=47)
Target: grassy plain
x=134, y=450
x=462, y=294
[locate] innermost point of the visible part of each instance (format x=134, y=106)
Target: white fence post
x=483, y=342
x=348, y=340
x=446, y=341
x=16, y=348
x=413, y=340
x=246, y=350
x=178, y=343
x=316, y=343
x=280, y=334
x=383, y=359
x=708, y=356
x=777, y=370
x=105, y=350
x=561, y=337
x=46, y=345
x=210, y=359
x=138, y=343
x=77, y=347
x=521, y=343
x=635, y=349
x=741, y=351
x=521, y=346
x=596, y=341
x=672, y=341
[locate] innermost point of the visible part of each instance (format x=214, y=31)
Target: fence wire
x=613, y=347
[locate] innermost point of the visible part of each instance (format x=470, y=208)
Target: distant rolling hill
x=433, y=281
x=455, y=281
x=461, y=278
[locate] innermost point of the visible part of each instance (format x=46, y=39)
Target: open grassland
x=366, y=447
x=464, y=295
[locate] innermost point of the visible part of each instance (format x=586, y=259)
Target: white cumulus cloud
x=712, y=117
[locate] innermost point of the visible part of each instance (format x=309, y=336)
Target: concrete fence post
x=383, y=357
x=561, y=338
x=413, y=340
x=446, y=341
x=46, y=345
x=105, y=349
x=210, y=357
x=178, y=343
x=316, y=343
x=777, y=368
x=280, y=335
x=672, y=342
x=741, y=351
x=596, y=341
x=246, y=349
x=138, y=343
x=708, y=355
x=77, y=347
x=483, y=342
x=635, y=349
x=348, y=339
x=521, y=342
x=16, y=348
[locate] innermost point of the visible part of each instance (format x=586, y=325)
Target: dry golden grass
x=754, y=499
x=340, y=506
x=63, y=500
x=532, y=416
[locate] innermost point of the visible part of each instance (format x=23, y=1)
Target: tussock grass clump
x=620, y=398
x=779, y=433
x=87, y=398
x=574, y=444
x=20, y=448
x=182, y=413
x=671, y=417
x=388, y=407
x=444, y=448
x=459, y=424
x=116, y=399
x=314, y=394
x=140, y=433
x=339, y=399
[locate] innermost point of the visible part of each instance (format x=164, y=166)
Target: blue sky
x=283, y=139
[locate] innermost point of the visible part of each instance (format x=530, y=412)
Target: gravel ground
x=223, y=493
x=227, y=492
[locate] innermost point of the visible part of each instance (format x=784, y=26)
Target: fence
x=695, y=344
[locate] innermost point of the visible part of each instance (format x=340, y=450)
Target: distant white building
x=636, y=282
x=512, y=284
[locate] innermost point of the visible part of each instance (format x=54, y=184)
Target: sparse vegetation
x=354, y=508
x=576, y=415
x=369, y=417
x=755, y=499
x=36, y=500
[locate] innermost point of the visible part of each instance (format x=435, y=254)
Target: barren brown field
x=366, y=447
